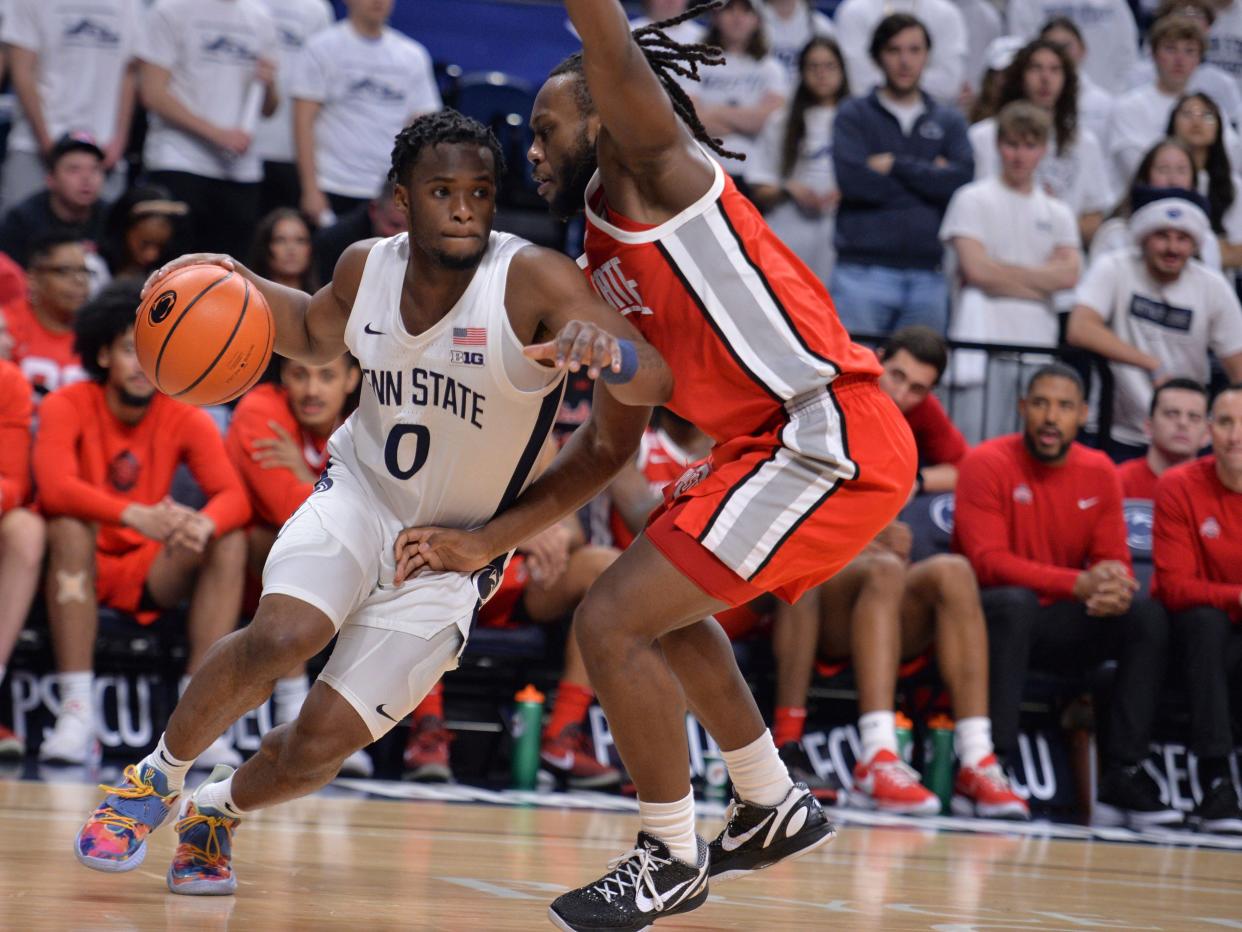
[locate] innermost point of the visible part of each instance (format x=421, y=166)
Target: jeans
x=878, y=299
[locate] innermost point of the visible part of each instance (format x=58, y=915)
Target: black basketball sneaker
x=643, y=885
x=756, y=837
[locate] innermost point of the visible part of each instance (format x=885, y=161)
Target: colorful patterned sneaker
x=114, y=838
x=984, y=791
x=755, y=837
x=570, y=757
x=203, y=862
x=889, y=784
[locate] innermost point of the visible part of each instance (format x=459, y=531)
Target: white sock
x=878, y=731
x=288, y=696
x=75, y=693
x=174, y=770
x=758, y=773
x=218, y=796
x=972, y=739
x=673, y=824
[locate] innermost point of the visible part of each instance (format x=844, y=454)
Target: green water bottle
x=905, y=735
x=715, y=776
x=527, y=725
x=940, y=770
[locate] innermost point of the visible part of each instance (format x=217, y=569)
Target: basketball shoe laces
x=139, y=788
x=630, y=870
x=900, y=772
x=212, y=855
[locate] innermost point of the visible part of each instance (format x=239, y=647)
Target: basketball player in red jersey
x=811, y=458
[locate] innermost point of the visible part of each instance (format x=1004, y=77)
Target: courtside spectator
x=379, y=217
x=790, y=25
x=139, y=231
x=1141, y=115
x=1107, y=29
x=1016, y=248
x=914, y=359
x=1095, y=105
x=1195, y=545
x=354, y=87
x=945, y=66
x=1154, y=312
x=790, y=171
x=1039, y=517
x=73, y=70
x=735, y=99
x=201, y=62
x=41, y=322
x=104, y=459
x=1199, y=123
x=296, y=21
x=70, y=204
x=278, y=443
x=22, y=533
x=656, y=11
x=1073, y=169
x=899, y=156
x=283, y=250
x=1177, y=426
x=881, y=610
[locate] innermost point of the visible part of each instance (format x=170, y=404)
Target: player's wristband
x=629, y=365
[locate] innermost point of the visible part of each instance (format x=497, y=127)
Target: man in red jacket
x=1177, y=425
x=1197, y=548
x=1039, y=517
x=104, y=461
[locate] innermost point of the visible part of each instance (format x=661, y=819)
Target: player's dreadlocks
x=669, y=60
x=434, y=128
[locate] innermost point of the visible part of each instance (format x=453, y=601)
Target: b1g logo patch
x=163, y=306
x=465, y=357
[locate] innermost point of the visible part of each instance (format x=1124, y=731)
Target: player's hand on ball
x=580, y=344
x=438, y=549
x=181, y=262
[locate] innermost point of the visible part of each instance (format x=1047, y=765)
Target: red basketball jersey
x=748, y=330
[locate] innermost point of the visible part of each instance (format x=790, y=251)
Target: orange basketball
x=204, y=335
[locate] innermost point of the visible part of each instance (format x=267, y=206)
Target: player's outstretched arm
x=546, y=292
x=587, y=463
x=309, y=328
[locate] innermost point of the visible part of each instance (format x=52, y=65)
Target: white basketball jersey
x=451, y=421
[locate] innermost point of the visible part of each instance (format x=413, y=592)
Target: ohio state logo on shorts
x=690, y=478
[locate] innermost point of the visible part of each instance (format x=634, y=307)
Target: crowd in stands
x=1051, y=181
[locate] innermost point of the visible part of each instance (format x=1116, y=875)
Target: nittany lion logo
x=486, y=581
x=163, y=306
x=1138, y=514
x=941, y=512
x=323, y=484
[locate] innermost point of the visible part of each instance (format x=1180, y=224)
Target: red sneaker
x=571, y=758
x=984, y=791
x=890, y=784
x=427, y=752
x=11, y=746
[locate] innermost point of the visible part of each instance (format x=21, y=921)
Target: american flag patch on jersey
x=469, y=336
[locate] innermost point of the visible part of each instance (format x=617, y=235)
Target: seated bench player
x=1177, y=426
x=104, y=460
x=278, y=442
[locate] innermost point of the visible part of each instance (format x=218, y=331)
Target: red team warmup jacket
x=46, y=359
x=936, y=436
x=15, y=413
x=1021, y=523
x=1197, y=540
x=1137, y=479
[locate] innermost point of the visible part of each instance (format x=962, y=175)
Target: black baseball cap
x=75, y=141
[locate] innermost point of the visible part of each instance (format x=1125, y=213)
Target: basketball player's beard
x=458, y=263
x=571, y=193
x=130, y=400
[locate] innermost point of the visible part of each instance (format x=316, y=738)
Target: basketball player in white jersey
x=453, y=414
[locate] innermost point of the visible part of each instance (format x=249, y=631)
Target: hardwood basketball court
x=349, y=860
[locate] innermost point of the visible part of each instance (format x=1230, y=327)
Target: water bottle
x=939, y=771
x=905, y=735
x=527, y=726
x=715, y=776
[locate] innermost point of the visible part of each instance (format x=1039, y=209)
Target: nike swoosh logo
x=646, y=904
x=380, y=709
x=564, y=762
x=375, y=333
x=733, y=842
x=1085, y=503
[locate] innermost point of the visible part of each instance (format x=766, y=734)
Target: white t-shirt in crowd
x=690, y=32
x=1138, y=122
x=369, y=90
x=1114, y=235
x=1095, y=108
x=1078, y=177
x=84, y=49
x=811, y=238
x=1176, y=323
x=211, y=48
x=1232, y=221
x=296, y=21
x=1225, y=41
x=856, y=21
x=1015, y=229
x=788, y=37
x=741, y=81
x=906, y=114
x=1107, y=27
x=1207, y=79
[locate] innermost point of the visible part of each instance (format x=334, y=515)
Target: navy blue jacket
x=894, y=219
